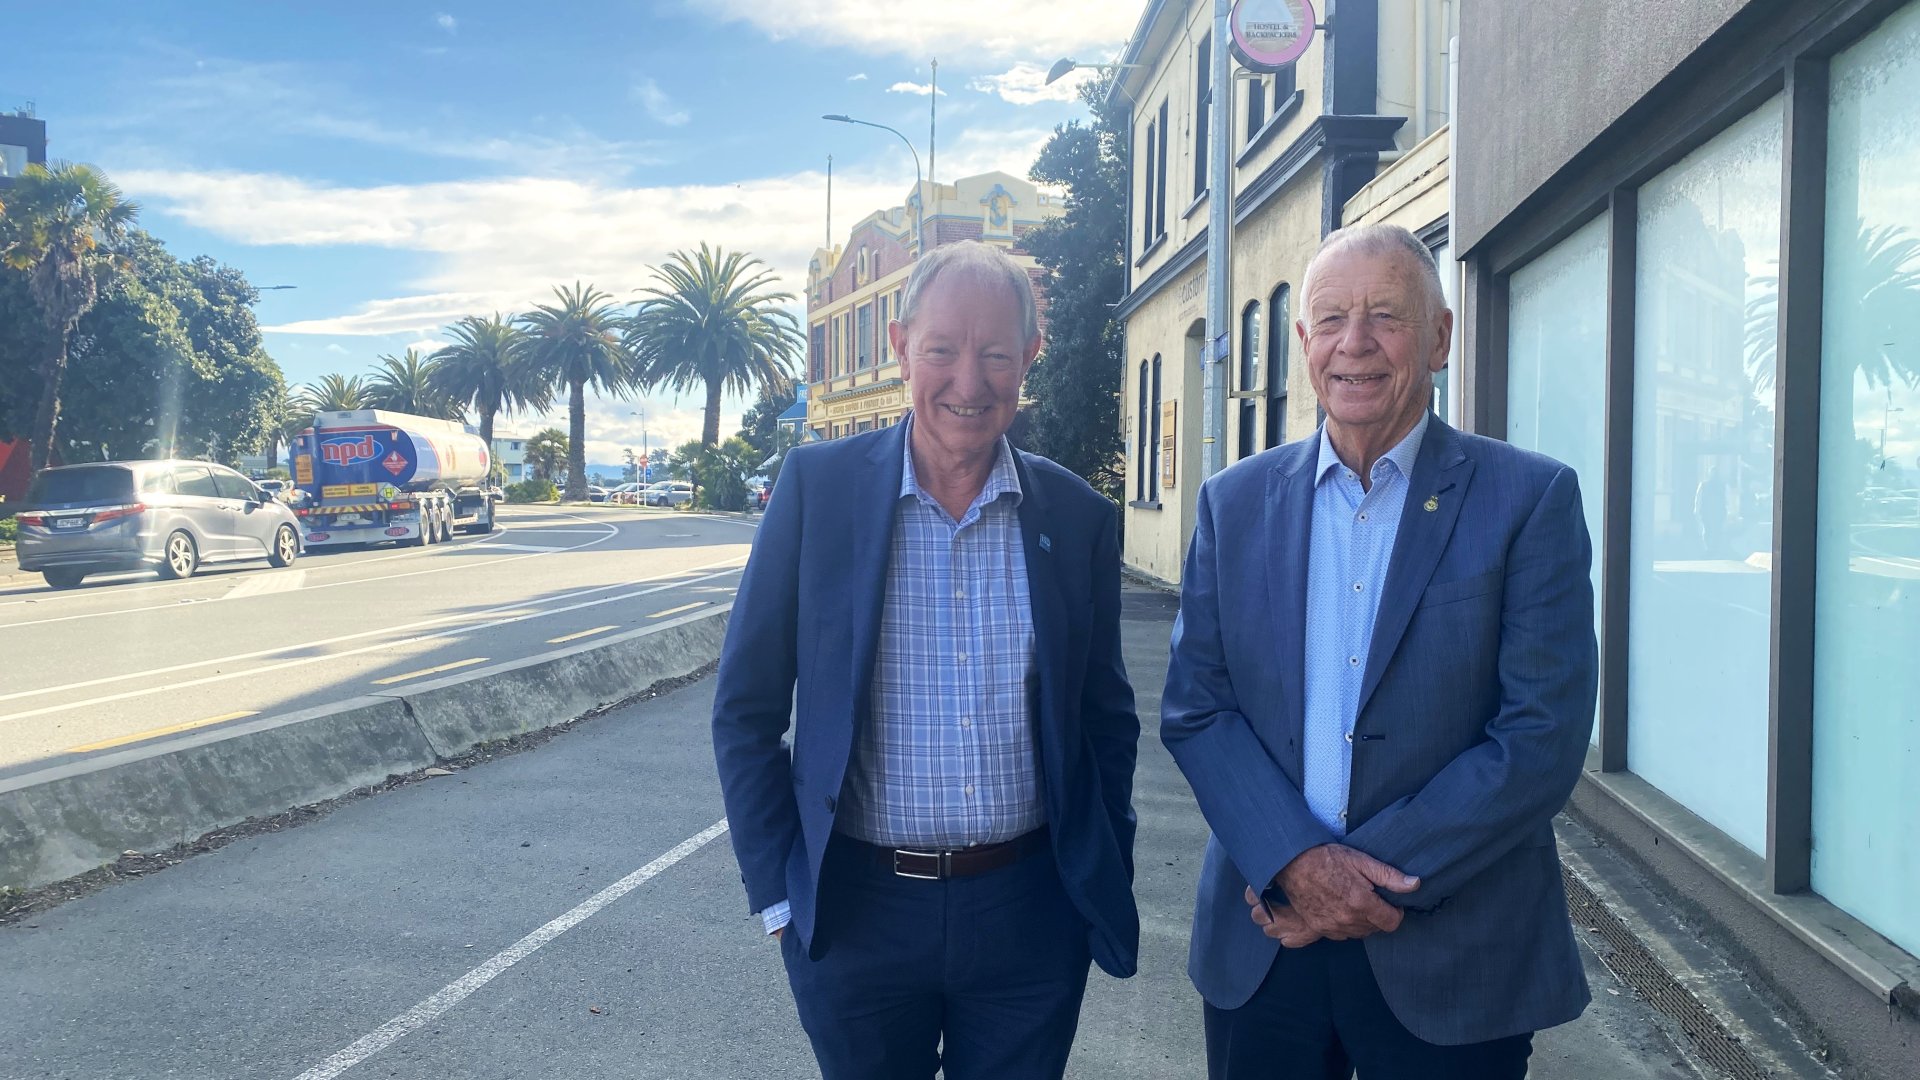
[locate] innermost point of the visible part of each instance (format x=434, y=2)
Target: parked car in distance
x=275, y=488
x=170, y=516
x=596, y=493
x=626, y=494
x=670, y=493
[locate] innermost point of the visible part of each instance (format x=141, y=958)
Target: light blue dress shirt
x=949, y=759
x=1353, y=534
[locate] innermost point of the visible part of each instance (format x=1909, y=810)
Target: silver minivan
x=170, y=516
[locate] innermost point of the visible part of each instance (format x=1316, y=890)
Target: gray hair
x=1385, y=241
x=974, y=257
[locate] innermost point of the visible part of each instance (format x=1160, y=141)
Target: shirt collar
x=1403, y=454
x=1003, y=480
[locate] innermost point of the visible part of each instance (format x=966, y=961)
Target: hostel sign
x=1269, y=35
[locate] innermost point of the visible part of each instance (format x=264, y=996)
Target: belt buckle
x=942, y=861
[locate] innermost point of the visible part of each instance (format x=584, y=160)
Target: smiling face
x=1372, y=345
x=963, y=361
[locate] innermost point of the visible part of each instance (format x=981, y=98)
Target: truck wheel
x=286, y=547
x=182, y=558
x=446, y=527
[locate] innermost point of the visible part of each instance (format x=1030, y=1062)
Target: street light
x=1065, y=64
x=646, y=454
x=920, y=223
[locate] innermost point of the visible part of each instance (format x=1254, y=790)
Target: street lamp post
x=646, y=455
x=920, y=219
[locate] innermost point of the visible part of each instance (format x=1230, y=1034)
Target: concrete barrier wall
x=63, y=821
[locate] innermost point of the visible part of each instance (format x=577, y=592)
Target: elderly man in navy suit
x=1381, y=690
x=950, y=838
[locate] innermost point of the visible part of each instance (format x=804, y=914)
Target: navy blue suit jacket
x=801, y=642
x=1475, y=710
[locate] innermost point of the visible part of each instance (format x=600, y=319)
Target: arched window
x=1153, y=446
x=1280, y=311
x=1140, y=466
x=1248, y=408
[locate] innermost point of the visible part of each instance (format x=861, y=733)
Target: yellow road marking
x=581, y=634
x=123, y=740
x=391, y=679
x=676, y=611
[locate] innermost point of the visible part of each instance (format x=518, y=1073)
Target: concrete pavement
x=392, y=937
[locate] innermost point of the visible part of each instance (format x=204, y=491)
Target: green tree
x=486, y=368
x=760, y=424
x=1074, y=415
x=60, y=225
x=291, y=417
x=409, y=383
x=335, y=393
x=715, y=320
x=547, y=453
x=577, y=343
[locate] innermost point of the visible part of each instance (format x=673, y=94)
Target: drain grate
x=1635, y=966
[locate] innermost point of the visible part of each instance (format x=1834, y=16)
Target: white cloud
x=447, y=22
x=980, y=28
x=659, y=105
x=1026, y=84
x=336, y=347
x=922, y=89
x=862, y=77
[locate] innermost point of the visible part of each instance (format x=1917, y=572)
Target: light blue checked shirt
x=949, y=760
x=1353, y=534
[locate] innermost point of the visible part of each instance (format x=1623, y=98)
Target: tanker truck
x=370, y=476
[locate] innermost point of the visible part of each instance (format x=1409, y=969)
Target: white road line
x=528, y=547
x=532, y=553
x=268, y=584
x=421, y=624
x=462, y=988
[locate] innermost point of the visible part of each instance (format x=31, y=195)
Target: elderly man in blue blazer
x=949, y=840
x=1381, y=690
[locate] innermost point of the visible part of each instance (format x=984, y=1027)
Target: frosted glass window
x=1702, y=577
x=1866, y=744
x=1557, y=368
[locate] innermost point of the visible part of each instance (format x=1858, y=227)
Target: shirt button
x=1356, y=587
x=969, y=789
x=1343, y=815
x=959, y=594
x=1363, y=515
x=966, y=721
x=1353, y=661
x=1349, y=736
x=962, y=658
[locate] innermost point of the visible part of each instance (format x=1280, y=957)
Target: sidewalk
x=1150, y=1025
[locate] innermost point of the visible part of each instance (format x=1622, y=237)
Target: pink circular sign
x=1270, y=34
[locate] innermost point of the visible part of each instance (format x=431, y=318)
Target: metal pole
x=920, y=229
x=1213, y=425
x=933, y=121
x=829, y=202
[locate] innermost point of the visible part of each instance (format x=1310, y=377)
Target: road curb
x=63, y=821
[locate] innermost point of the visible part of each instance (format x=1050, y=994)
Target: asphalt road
x=130, y=658
x=570, y=912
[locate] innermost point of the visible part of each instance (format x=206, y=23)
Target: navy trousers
x=981, y=976
x=1319, y=1016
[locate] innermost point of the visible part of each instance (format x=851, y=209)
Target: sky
x=403, y=165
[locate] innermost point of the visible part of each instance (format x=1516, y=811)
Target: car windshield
x=98, y=484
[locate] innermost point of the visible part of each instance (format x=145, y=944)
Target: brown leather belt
x=963, y=862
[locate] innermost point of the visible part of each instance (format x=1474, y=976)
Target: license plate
x=70, y=523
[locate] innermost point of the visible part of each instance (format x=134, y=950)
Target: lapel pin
x=1433, y=503
x=1046, y=542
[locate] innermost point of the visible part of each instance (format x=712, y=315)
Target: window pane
x=1702, y=579
x=1866, y=745
x=1250, y=347
x=1557, y=367
x=195, y=480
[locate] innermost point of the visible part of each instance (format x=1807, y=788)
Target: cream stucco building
x=1308, y=147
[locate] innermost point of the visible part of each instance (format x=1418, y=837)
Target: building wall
x=1701, y=312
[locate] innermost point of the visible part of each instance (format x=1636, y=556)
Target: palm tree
x=335, y=393
x=546, y=452
x=578, y=342
x=407, y=384
x=486, y=367
x=58, y=220
x=714, y=319
x=290, y=418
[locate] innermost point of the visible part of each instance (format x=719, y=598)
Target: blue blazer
x=801, y=642
x=1476, y=707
